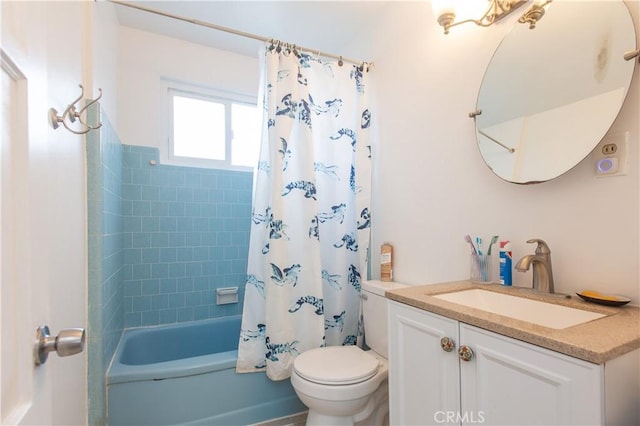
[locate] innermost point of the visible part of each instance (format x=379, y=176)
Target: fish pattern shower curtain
x=310, y=219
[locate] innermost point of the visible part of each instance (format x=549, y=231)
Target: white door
x=15, y=363
x=509, y=382
x=424, y=379
x=43, y=196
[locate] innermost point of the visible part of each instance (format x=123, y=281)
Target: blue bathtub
x=185, y=374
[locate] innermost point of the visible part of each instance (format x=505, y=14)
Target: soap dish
x=603, y=299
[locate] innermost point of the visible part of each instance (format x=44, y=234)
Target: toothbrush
x=494, y=240
x=467, y=238
x=474, y=253
x=481, y=259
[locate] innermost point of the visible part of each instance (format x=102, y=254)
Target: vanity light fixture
x=446, y=12
x=534, y=14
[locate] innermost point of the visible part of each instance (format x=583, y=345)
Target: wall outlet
x=609, y=149
x=610, y=158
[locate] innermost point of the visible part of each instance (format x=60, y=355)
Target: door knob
x=70, y=341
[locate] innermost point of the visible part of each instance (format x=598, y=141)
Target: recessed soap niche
x=226, y=295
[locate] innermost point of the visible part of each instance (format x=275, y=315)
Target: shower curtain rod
x=231, y=30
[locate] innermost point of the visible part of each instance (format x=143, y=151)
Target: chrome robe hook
x=72, y=113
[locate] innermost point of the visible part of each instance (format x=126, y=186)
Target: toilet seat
x=336, y=365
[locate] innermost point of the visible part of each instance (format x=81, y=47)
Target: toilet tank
x=374, y=307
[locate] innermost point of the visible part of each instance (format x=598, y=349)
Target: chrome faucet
x=542, y=272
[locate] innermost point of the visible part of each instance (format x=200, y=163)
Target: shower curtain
x=310, y=219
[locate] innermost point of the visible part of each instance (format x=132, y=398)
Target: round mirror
x=550, y=94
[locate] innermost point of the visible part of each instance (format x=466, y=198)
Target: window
x=213, y=131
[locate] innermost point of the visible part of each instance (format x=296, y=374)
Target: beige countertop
x=597, y=341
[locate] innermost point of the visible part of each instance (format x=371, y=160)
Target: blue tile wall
x=105, y=257
x=185, y=234
x=161, y=240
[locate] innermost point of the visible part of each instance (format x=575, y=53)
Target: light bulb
x=462, y=9
x=471, y=9
x=441, y=7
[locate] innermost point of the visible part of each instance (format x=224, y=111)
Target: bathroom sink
x=533, y=311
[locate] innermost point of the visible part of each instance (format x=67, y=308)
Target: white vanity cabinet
x=512, y=382
x=506, y=381
x=423, y=379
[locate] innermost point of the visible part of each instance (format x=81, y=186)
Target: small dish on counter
x=603, y=299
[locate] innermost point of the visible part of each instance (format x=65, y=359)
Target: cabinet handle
x=447, y=344
x=465, y=353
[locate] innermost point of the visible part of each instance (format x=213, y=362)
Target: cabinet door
x=424, y=380
x=516, y=383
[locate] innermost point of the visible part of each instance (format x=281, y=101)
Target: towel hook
x=71, y=113
x=91, y=102
x=55, y=119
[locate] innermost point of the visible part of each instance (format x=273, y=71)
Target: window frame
x=212, y=95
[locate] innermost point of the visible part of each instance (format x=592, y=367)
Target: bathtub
x=185, y=374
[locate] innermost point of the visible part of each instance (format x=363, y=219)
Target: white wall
x=146, y=59
x=102, y=68
x=432, y=186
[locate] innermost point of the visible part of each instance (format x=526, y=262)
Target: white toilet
x=344, y=385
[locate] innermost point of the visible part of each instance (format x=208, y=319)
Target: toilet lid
x=336, y=365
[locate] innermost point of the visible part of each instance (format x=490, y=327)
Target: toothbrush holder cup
x=481, y=268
